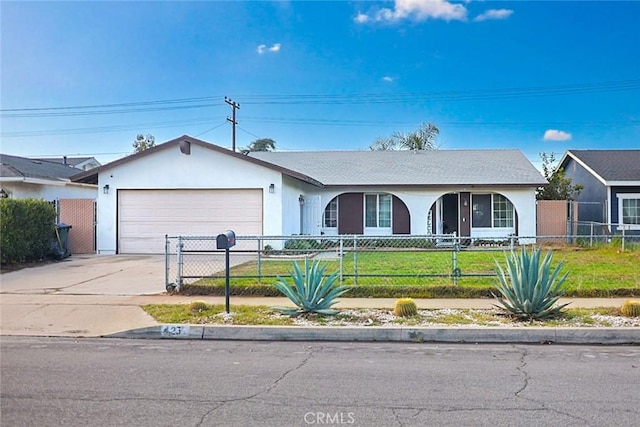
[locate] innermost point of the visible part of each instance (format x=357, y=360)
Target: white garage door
x=146, y=216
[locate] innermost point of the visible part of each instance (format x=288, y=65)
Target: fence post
x=259, y=260
x=622, y=238
x=455, y=271
x=180, y=263
x=591, y=236
x=341, y=257
x=355, y=260
x=166, y=261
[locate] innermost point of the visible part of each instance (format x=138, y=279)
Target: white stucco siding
x=170, y=169
x=49, y=192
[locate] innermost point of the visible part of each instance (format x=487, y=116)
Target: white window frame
x=324, y=213
x=621, y=198
x=377, y=229
x=492, y=214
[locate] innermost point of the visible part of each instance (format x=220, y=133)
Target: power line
x=209, y=130
x=320, y=99
x=102, y=112
x=104, y=129
x=125, y=104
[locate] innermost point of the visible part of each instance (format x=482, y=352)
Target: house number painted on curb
x=174, y=330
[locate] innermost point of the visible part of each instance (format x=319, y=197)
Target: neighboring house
x=23, y=178
x=611, y=180
x=83, y=163
x=190, y=187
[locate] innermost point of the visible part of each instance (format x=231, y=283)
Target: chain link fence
x=362, y=260
x=371, y=260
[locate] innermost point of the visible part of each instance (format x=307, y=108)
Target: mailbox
x=226, y=240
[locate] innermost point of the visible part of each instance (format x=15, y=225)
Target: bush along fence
x=27, y=229
x=359, y=260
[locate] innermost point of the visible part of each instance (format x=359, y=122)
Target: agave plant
x=311, y=291
x=528, y=287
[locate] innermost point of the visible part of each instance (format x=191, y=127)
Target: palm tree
x=424, y=138
x=262, y=144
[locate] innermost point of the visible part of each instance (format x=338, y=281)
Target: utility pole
x=234, y=122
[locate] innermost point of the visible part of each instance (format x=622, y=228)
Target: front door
x=449, y=213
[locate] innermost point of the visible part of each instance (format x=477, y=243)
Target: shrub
x=311, y=292
x=198, y=306
x=302, y=245
x=405, y=307
x=27, y=229
x=529, y=289
x=631, y=308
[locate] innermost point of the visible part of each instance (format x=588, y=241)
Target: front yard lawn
x=594, y=272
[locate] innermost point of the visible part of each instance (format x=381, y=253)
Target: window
x=491, y=210
x=331, y=214
x=377, y=210
x=629, y=210
x=481, y=215
x=502, y=211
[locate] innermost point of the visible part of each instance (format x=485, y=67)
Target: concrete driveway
x=90, y=275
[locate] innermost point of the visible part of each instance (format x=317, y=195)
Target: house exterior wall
x=49, y=192
x=616, y=192
x=594, y=195
x=420, y=201
x=170, y=169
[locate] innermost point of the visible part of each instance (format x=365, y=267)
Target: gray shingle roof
x=611, y=165
x=433, y=167
x=14, y=166
x=71, y=161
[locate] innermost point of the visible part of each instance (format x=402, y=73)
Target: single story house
x=23, y=178
x=611, y=180
x=190, y=187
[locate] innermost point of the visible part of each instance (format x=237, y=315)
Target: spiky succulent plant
x=631, y=308
x=405, y=307
x=528, y=287
x=311, y=291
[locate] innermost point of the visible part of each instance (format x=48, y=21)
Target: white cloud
x=361, y=18
x=416, y=10
x=556, y=135
x=388, y=79
x=493, y=14
x=263, y=48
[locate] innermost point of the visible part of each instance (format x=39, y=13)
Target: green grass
x=597, y=272
x=215, y=315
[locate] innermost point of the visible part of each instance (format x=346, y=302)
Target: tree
x=143, y=142
x=423, y=138
x=261, y=144
x=560, y=187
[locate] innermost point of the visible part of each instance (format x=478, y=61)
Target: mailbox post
x=226, y=241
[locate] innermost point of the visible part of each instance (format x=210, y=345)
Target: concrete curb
x=606, y=336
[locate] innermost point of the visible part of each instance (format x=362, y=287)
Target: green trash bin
x=61, y=243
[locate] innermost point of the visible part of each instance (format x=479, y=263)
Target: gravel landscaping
x=458, y=318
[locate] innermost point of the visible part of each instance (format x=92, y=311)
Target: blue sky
x=538, y=76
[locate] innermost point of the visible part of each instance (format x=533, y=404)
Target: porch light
x=272, y=188
x=301, y=200
x=3, y=194
x=105, y=189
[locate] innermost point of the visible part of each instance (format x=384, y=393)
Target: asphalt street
x=97, y=382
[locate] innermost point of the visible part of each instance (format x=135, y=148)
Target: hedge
x=27, y=230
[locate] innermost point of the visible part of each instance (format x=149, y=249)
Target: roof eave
x=91, y=176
